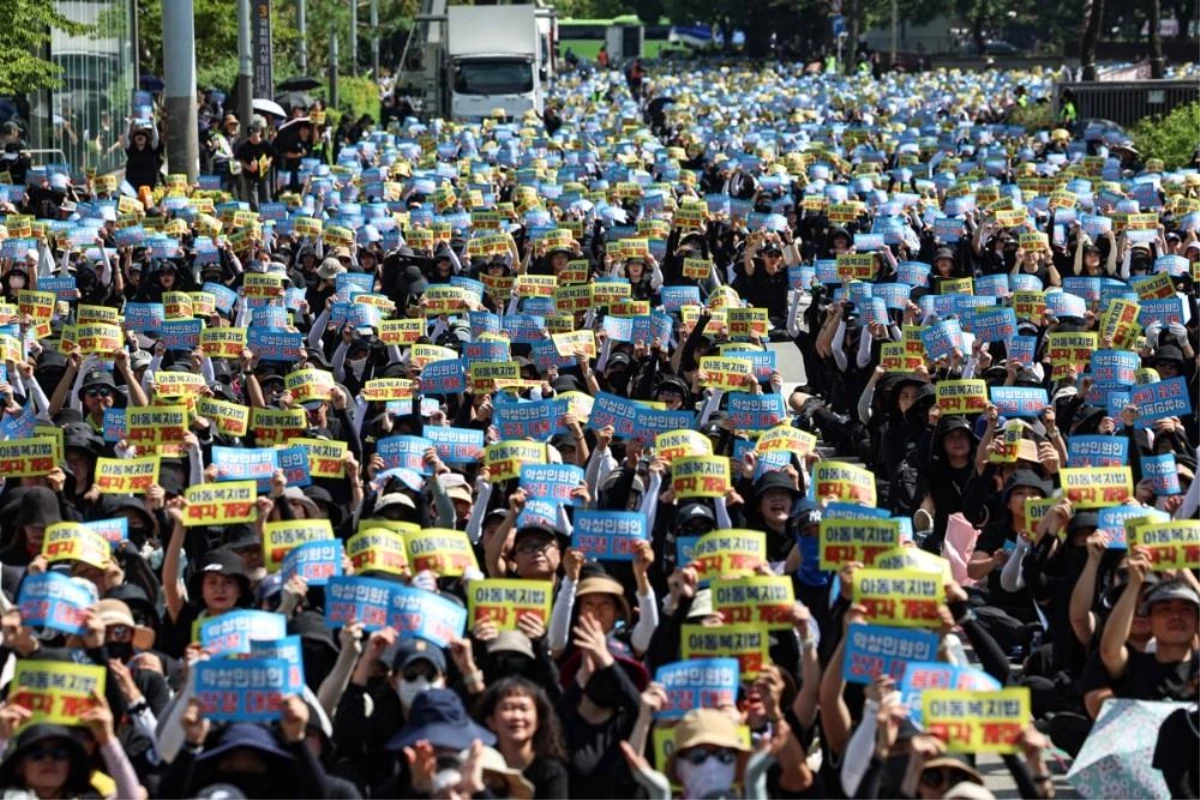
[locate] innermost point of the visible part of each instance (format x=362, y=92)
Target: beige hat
x=492, y=761
x=330, y=268
x=603, y=584
x=115, y=612
x=969, y=790
x=706, y=726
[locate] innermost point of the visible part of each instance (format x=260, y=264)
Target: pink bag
x=958, y=547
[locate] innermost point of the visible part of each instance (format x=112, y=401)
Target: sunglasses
x=698, y=755
x=941, y=776
x=53, y=753
x=119, y=633
x=530, y=546
x=416, y=672
x=101, y=392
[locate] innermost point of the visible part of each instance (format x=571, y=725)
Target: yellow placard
x=697, y=268
x=204, y=304
x=169, y=383
x=1029, y=305
x=401, y=332
x=445, y=299
x=381, y=390
x=309, y=384
x=535, y=285
x=231, y=419
x=177, y=305
x=262, y=285
x=220, y=503
x=422, y=354
x=760, y=600
x=155, y=425
x=574, y=298
x=504, y=459
x=608, y=293
x=844, y=482
x=97, y=338
x=749, y=644
x=905, y=598
x=126, y=475
x=962, y=397
x=681, y=444
x=223, y=342
x=503, y=602
x=729, y=553
x=1071, y=349
x=57, y=692
x=700, y=476
x=785, y=437
x=1036, y=508
x=446, y=551
x=35, y=457
x=747, y=323
x=1097, y=487
x=1119, y=321
x=914, y=558
x=977, y=722
x=39, y=305
x=728, y=374
x=1172, y=545
x=485, y=377
x=856, y=266
x=1156, y=287
x=325, y=457
x=567, y=344
x=858, y=539
x=377, y=549
x=73, y=541
x=275, y=426
x=279, y=538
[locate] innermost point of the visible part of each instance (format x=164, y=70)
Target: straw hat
x=707, y=727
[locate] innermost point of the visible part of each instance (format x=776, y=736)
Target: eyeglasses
x=535, y=546
x=940, y=776
x=698, y=755
x=51, y=753
x=102, y=391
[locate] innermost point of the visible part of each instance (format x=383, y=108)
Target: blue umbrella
x=151, y=83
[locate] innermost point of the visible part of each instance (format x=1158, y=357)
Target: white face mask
x=408, y=690
x=711, y=778
x=357, y=366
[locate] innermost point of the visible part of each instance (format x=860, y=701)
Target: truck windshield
x=493, y=76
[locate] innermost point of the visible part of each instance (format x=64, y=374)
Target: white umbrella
x=265, y=106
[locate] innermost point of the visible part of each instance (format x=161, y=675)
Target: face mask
x=711, y=778
x=357, y=366
x=408, y=690
x=122, y=651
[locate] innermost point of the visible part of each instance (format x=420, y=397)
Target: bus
x=584, y=37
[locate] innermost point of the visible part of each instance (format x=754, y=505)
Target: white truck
x=495, y=61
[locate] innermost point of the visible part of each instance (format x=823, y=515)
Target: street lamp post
x=179, y=66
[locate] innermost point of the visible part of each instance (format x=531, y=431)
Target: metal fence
x=1126, y=102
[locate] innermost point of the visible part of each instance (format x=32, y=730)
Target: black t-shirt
x=993, y=538
x=1175, y=753
x=549, y=778
x=1145, y=677
x=249, y=151
x=764, y=290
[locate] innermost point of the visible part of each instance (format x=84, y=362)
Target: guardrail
x=1126, y=102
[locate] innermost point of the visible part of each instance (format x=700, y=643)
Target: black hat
x=416, y=649
x=774, y=480
x=135, y=597
x=97, y=378
x=222, y=561
x=1082, y=521
x=1168, y=353
x=619, y=359
x=39, y=506
x=1027, y=478
x=943, y=252
x=311, y=627
x=438, y=717
x=695, y=512
x=673, y=383
x=79, y=436
x=78, y=778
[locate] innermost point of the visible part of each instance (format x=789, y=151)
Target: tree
x=25, y=33
x=1093, y=16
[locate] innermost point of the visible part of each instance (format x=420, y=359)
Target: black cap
x=411, y=650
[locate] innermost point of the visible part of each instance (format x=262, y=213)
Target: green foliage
x=26, y=29
x=1034, y=116
x=1171, y=137
x=356, y=96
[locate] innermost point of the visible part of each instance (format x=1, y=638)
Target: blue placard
x=537, y=420
x=1160, y=400
x=269, y=317
x=447, y=376
x=271, y=344
x=676, y=297
x=619, y=412
x=763, y=361
x=942, y=339
x=523, y=328
x=1021, y=349
x=873, y=650
x=404, y=451
x=1097, y=451
x=488, y=351
x=233, y=631
x=756, y=412
x=609, y=535
x=552, y=483
x=366, y=600
x=418, y=614
x=289, y=649
x=1083, y=286
x=1063, y=304
x=1175, y=266
x=53, y=600
x=992, y=285
x=1162, y=473
x=63, y=287
x=1164, y=310
x=316, y=562
x=114, y=530
x=294, y=463
x=245, y=690
x=1019, y=401
x=181, y=334
x=144, y=317
x=914, y=273
x=1114, y=367
x=246, y=464
x=650, y=422
x=114, y=425
x=455, y=445
x=994, y=324
x=358, y=281
x=698, y=683
x=921, y=675
x=226, y=298
x=1113, y=519
x=894, y=295
x=1024, y=282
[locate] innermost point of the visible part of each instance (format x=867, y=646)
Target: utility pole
x=354, y=38
x=895, y=31
x=179, y=64
x=245, y=76
x=375, y=40
x=333, y=68
x=302, y=30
